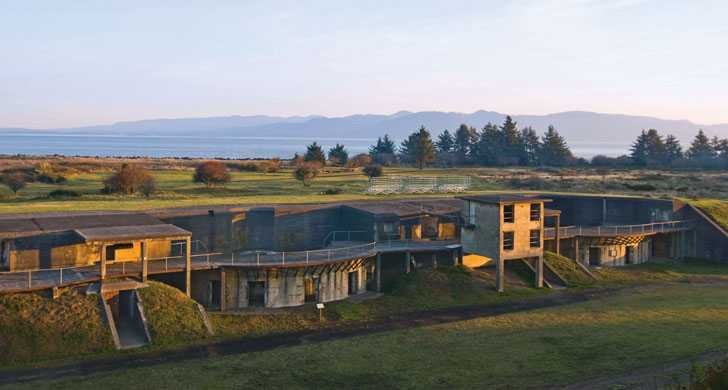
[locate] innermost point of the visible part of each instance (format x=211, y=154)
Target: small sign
x=320, y=306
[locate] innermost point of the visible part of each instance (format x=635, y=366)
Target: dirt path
x=230, y=347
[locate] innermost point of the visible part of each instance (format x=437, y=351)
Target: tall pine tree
x=384, y=151
x=418, y=148
x=554, y=150
x=465, y=140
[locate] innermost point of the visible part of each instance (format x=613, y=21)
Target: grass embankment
x=553, y=346
x=173, y=318
x=568, y=269
x=717, y=210
x=34, y=328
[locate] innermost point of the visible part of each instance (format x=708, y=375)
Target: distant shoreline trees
x=508, y=145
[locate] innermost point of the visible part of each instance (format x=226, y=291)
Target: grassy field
x=553, y=346
x=176, y=189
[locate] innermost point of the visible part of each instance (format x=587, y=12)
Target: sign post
x=320, y=307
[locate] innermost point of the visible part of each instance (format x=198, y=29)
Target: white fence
x=417, y=184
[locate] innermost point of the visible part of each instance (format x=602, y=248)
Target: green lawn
x=554, y=346
x=176, y=189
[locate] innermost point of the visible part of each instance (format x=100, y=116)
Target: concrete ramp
x=126, y=319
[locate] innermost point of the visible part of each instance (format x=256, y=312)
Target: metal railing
x=622, y=230
x=56, y=277
x=418, y=184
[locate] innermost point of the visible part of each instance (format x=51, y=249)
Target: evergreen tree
x=673, y=150
x=418, y=148
x=338, y=155
x=315, y=154
x=514, y=152
x=638, y=151
x=656, y=153
x=384, y=151
x=445, y=142
x=554, y=150
x=465, y=143
x=531, y=145
x=489, y=145
x=445, y=145
x=701, y=151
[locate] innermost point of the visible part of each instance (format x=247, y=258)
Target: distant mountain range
x=576, y=126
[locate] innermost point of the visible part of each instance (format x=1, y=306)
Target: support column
x=576, y=250
x=455, y=257
x=222, y=289
x=434, y=260
x=145, y=260
x=460, y=256
x=539, y=272
x=188, y=267
x=407, y=262
x=499, y=271
x=378, y=271
x=604, y=211
x=102, y=272
x=558, y=235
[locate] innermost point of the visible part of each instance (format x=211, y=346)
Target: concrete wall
x=707, y=240
x=483, y=237
x=595, y=211
x=522, y=228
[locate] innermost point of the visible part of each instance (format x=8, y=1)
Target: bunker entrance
x=595, y=256
x=256, y=294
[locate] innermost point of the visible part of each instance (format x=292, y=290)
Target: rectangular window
x=471, y=213
x=535, y=238
x=535, y=212
x=509, y=215
x=508, y=241
x=388, y=227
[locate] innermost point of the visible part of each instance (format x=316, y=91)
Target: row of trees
x=493, y=145
x=650, y=149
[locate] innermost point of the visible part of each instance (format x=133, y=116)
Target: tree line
x=507, y=145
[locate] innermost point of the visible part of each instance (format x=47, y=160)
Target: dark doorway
x=353, y=282
x=309, y=289
x=256, y=294
x=629, y=256
x=595, y=256
x=213, y=293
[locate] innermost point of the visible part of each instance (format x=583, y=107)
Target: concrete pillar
x=460, y=256
x=188, y=267
x=539, y=272
x=145, y=260
x=455, y=257
x=576, y=250
x=557, y=237
x=407, y=262
x=499, y=271
x=222, y=289
x=378, y=271
x=434, y=260
x=604, y=211
x=102, y=272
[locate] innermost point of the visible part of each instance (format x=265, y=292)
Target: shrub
x=127, y=180
x=360, y=160
x=306, y=172
x=270, y=166
x=314, y=153
x=211, y=173
x=333, y=191
x=148, y=188
x=373, y=170
x=14, y=181
x=63, y=194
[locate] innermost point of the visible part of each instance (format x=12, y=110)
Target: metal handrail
x=647, y=228
x=331, y=236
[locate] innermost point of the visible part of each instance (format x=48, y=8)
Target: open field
x=176, y=189
x=639, y=328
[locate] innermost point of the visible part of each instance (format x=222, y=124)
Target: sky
x=74, y=63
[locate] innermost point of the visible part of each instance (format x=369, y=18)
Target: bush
x=63, y=194
x=306, y=172
x=373, y=170
x=270, y=166
x=332, y=191
x=360, y=160
x=127, y=180
x=148, y=188
x=15, y=181
x=211, y=173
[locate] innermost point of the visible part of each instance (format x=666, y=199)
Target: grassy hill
x=173, y=318
x=715, y=209
x=35, y=328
